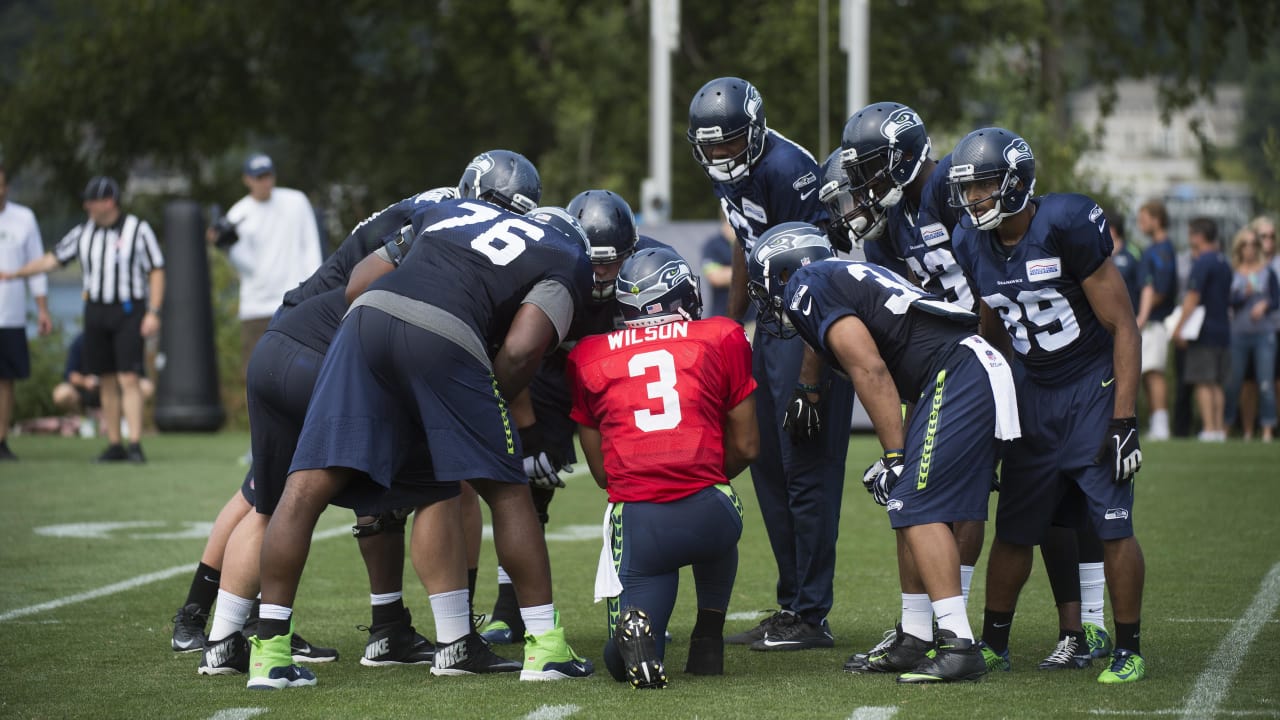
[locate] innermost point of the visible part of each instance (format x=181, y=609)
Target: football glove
x=1120, y=451
x=883, y=474
x=802, y=420
x=541, y=468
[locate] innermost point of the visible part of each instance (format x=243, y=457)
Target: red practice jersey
x=659, y=396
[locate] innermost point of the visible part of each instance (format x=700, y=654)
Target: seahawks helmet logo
x=898, y=122
x=482, y=164
x=777, y=244
x=753, y=102
x=1017, y=152
x=652, y=287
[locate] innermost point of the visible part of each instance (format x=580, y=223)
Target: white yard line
x=237, y=713
x=1179, y=711
x=1212, y=685
x=872, y=712
x=135, y=582
x=552, y=712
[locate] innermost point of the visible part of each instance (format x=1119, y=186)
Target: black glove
x=541, y=465
x=802, y=421
x=880, y=478
x=1120, y=449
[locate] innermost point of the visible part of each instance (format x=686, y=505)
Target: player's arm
x=992, y=329
x=852, y=344
x=738, y=284
x=372, y=267
x=589, y=438
x=741, y=437
x=530, y=336
x=1108, y=297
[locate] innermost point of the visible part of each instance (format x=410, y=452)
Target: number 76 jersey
x=659, y=396
x=1036, y=286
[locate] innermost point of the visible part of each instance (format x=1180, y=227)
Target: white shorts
x=1155, y=347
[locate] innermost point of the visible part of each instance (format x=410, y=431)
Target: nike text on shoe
x=271, y=665
x=397, y=644
x=470, y=655
x=757, y=633
x=903, y=653
x=857, y=662
x=188, y=629
x=1126, y=666
x=956, y=660
x=792, y=633
x=1099, y=641
x=549, y=657
x=634, y=638
x=995, y=661
x=499, y=632
x=706, y=656
x=229, y=656
x=305, y=652
x=1070, y=654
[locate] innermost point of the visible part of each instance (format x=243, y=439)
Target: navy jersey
x=314, y=321
x=782, y=187
x=1159, y=269
x=1128, y=266
x=884, y=253
x=478, y=262
x=923, y=237
x=1036, y=285
x=366, y=237
x=1211, y=276
x=911, y=328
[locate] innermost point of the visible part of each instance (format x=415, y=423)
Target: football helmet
x=502, y=177
x=991, y=164
x=611, y=228
x=778, y=253
x=564, y=222
x=655, y=286
x=852, y=223
x=883, y=147
x=727, y=112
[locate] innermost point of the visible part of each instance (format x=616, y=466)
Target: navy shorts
x=385, y=384
x=282, y=375
x=951, y=448
x=15, y=359
x=113, y=338
x=1049, y=475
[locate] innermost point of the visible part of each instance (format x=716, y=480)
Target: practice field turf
x=96, y=559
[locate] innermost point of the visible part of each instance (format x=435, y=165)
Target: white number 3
x=664, y=388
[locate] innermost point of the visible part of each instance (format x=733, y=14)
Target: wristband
x=804, y=387
x=895, y=453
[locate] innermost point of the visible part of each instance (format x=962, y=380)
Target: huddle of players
x=638, y=392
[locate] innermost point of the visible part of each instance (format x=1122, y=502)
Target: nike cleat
x=229, y=656
x=956, y=660
x=397, y=643
x=305, y=652
x=903, y=653
x=549, y=657
x=188, y=629
x=499, y=632
x=996, y=661
x=1072, y=653
x=792, y=633
x=757, y=633
x=470, y=655
x=1126, y=666
x=857, y=662
x=1098, y=639
x=271, y=665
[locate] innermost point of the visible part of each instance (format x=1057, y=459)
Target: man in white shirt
x=278, y=247
x=19, y=244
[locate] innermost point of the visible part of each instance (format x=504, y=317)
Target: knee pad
x=391, y=521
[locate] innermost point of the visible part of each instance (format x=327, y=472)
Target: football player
x=1052, y=298
x=899, y=344
x=667, y=418
x=763, y=179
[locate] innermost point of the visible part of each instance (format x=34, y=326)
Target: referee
x=123, y=290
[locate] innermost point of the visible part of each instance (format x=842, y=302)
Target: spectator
x=1124, y=259
x=19, y=244
x=1209, y=287
x=1255, y=294
x=274, y=246
x=123, y=290
x=1265, y=228
x=1158, y=273
x=717, y=268
x=78, y=393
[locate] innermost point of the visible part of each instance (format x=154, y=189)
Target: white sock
x=538, y=618
x=966, y=581
x=376, y=599
x=1093, y=594
x=503, y=577
x=951, y=616
x=274, y=612
x=917, y=616
x=453, y=615
x=229, y=616
x=1159, y=422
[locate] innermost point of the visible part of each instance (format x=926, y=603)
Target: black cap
x=101, y=188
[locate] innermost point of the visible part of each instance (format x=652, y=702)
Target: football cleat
x=549, y=657
x=1098, y=639
x=706, y=656
x=470, y=655
x=397, y=644
x=956, y=660
x=500, y=632
x=229, y=656
x=903, y=653
x=188, y=629
x=303, y=651
x=757, y=633
x=858, y=661
x=1072, y=653
x=994, y=660
x=271, y=665
x=639, y=649
x=1126, y=666
x=792, y=633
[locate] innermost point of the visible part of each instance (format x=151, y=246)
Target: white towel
x=1002, y=387
x=608, y=584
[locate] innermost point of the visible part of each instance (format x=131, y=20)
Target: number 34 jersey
x=659, y=396
x=1036, y=285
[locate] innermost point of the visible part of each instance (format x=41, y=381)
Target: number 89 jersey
x=1036, y=285
x=659, y=396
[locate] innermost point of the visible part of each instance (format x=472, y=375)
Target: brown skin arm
x=364, y=273
x=589, y=438
x=530, y=336
x=853, y=345
x=741, y=437
x=1108, y=297
x=42, y=264
x=738, y=284
x=992, y=329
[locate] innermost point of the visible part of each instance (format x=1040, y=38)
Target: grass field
x=85, y=612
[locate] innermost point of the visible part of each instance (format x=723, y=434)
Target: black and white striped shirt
x=116, y=260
